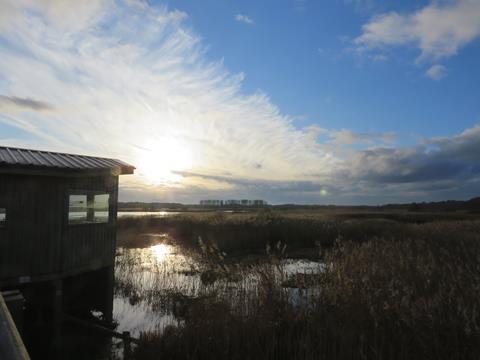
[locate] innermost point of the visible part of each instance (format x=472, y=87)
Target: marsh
x=219, y=285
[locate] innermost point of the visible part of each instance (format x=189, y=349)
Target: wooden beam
x=11, y=344
x=101, y=329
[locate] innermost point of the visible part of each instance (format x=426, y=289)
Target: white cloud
x=348, y=137
x=436, y=72
x=438, y=30
x=138, y=78
x=244, y=18
x=59, y=13
x=344, y=137
x=132, y=81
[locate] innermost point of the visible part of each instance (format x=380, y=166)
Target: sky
x=290, y=101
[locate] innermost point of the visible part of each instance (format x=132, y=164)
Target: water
x=153, y=284
x=102, y=216
x=121, y=214
x=146, y=281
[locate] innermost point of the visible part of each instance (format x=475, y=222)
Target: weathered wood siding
x=37, y=240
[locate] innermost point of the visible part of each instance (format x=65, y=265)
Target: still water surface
x=121, y=214
x=153, y=283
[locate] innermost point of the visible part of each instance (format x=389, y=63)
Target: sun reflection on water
x=161, y=251
x=151, y=281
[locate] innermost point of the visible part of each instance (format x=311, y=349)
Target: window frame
x=89, y=194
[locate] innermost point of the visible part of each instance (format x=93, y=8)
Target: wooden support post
x=57, y=301
x=57, y=318
x=108, y=297
x=126, y=345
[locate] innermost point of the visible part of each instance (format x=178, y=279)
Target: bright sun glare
x=160, y=251
x=161, y=159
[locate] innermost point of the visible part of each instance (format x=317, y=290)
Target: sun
x=159, y=161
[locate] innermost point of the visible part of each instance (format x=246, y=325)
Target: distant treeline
x=439, y=206
x=472, y=205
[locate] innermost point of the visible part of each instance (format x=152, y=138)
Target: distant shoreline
x=472, y=205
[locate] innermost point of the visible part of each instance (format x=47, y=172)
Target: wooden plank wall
x=37, y=238
x=29, y=242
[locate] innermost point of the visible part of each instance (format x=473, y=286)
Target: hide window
x=100, y=207
x=3, y=217
x=88, y=208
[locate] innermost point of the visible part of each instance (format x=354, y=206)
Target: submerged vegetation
x=395, y=287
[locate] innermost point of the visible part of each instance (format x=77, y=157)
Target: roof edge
x=23, y=160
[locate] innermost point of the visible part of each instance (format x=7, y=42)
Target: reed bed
x=251, y=232
x=385, y=290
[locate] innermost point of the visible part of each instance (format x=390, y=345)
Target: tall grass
x=251, y=232
x=394, y=291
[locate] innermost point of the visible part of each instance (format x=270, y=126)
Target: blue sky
x=298, y=52
x=330, y=102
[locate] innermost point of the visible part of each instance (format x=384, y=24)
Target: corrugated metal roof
x=15, y=158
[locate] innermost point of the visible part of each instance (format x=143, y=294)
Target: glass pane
x=101, y=206
x=3, y=216
x=77, y=208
